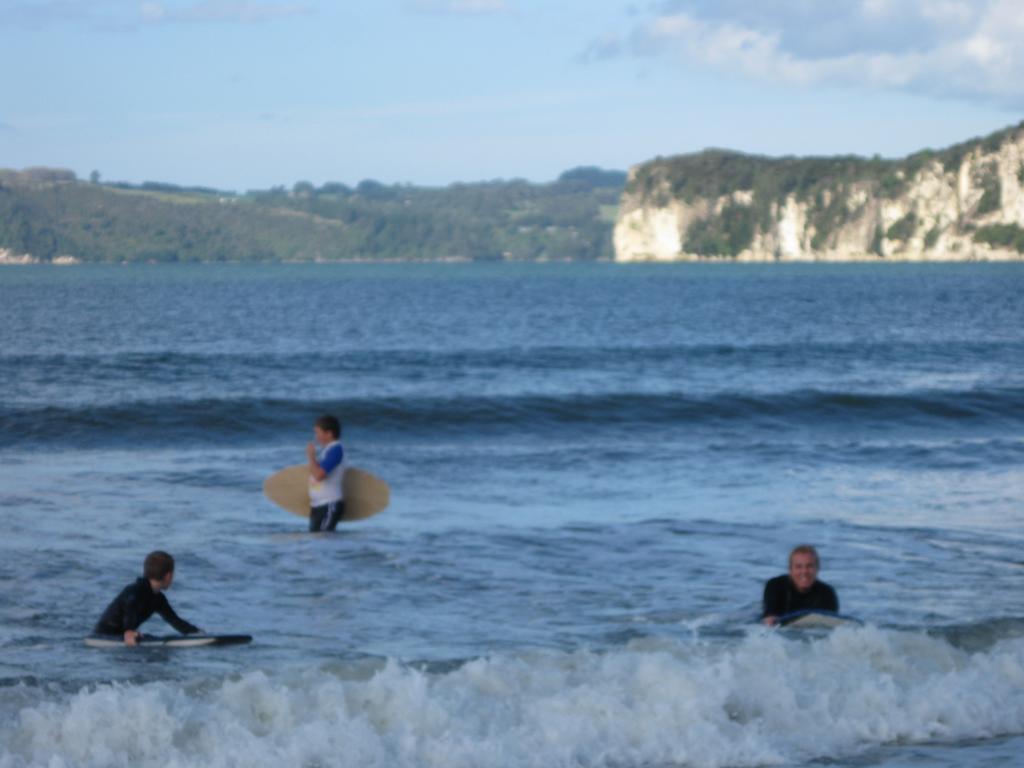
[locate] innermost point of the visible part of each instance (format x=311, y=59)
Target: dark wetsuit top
x=136, y=603
x=780, y=597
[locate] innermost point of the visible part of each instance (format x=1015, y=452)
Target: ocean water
x=594, y=468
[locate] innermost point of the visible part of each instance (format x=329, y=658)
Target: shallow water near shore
x=594, y=468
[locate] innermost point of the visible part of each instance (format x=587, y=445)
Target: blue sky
x=246, y=94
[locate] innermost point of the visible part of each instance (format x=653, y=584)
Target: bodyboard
x=365, y=494
x=816, y=618
x=171, y=641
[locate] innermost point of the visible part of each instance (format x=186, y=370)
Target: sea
x=594, y=467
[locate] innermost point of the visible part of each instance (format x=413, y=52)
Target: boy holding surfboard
x=141, y=599
x=326, y=459
x=325, y=489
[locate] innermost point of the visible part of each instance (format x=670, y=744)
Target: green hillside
x=47, y=213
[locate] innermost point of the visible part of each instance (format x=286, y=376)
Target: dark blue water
x=593, y=468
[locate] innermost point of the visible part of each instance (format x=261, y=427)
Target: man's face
x=803, y=570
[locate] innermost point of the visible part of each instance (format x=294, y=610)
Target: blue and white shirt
x=331, y=459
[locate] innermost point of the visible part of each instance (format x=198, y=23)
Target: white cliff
x=8, y=256
x=964, y=204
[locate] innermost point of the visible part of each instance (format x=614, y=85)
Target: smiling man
x=800, y=589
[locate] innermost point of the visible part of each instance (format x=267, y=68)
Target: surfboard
x=172, y=641
x=816, y=618
x=365, y=494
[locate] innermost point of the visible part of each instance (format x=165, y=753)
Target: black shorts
x=327, y=516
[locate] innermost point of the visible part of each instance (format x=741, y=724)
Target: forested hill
x=49, y=214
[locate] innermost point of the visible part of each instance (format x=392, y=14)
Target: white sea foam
x=766, y=699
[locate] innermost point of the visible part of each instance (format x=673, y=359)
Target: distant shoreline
x=9, y=260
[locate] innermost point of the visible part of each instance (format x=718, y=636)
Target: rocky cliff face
x=963, y=203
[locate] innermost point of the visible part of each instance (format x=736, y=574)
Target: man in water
x=800, y=589
x=141, y=599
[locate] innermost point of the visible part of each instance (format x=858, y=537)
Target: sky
x=250, y=94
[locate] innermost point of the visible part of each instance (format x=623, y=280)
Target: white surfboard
x=172, y=641
x=816, y=618
x=365, y=494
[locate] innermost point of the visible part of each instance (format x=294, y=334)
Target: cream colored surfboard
x=812, y=618
x=365, y=494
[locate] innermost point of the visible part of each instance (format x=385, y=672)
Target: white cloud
x=36, y=15
x=124, y=15
x=152, y=12
x=462, y=7
x=879, y=7
x=220, y=11
x=948, y=11
x=478, y=6
x=958, y=48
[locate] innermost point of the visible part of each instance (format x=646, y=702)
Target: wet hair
x=157, y=565
x=330, y=424
x=805, y=549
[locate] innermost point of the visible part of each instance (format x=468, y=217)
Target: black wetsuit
x=136, y=603
x=781, y=597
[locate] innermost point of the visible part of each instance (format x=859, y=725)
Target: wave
x=227, y=420
x=648, y=703
x=980, y=636
x=157, y=364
